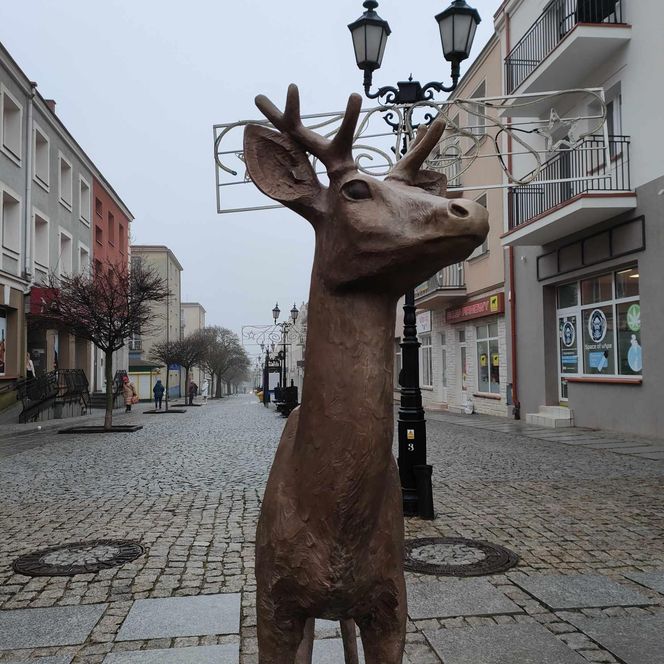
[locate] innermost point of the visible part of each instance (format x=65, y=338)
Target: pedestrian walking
x=158, y=391
x=129, y=393
x=193, y=391
x=204, y=391
x=29, y=367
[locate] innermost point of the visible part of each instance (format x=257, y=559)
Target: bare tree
x=224, y=351
x=106, y=306
x=192, y=351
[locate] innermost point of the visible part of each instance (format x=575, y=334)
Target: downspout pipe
x=27, y=208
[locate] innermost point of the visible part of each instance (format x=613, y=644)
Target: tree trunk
x=168, y=375
x=217, y=392
x=110, y=397
x=186, y=385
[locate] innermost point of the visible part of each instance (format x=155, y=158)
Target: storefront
x=463, y=357
x=12, y=331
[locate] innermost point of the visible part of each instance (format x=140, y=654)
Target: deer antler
x=336, y=154
x=425, y=141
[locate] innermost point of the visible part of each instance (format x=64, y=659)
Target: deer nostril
x=458, y=210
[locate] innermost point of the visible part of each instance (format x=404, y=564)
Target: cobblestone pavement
x=188, y=488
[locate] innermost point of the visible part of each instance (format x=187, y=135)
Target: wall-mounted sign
x=494, y=304
x=423, y=322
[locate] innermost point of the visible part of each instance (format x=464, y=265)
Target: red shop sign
x=494, y=304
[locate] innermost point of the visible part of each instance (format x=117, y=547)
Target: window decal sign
x=597, y=326
x=634, y=318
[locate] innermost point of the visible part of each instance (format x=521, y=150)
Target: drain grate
x=457, y=556
x=78, y=558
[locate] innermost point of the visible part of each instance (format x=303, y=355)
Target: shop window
x=488, y=359
x=42, y=171
x=12, y=119
x=464, y=369
x=426, y=361
x=84, y=198
x=41, y=240
x=66, y=180
x=10, y=217
x=601, y=336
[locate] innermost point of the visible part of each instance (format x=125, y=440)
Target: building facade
x=464, y=360
x=168, y=323
x=587, y=251
x=46, y=218
x=193, y=320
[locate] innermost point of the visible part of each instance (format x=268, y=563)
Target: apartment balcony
x=443, y=288
x=569, y=40
x=591, y=191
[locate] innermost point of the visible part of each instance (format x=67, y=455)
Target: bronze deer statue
x=329, y=542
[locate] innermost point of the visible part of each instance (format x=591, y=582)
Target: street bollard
x=423, y=475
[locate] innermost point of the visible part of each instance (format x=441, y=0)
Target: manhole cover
x=78, y=558
x=457, y=556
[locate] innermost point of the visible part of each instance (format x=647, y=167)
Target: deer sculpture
x=329, y=542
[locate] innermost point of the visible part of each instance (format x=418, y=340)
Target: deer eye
x=356, y=190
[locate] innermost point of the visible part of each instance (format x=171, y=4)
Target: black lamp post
x=457, y=25
x=285, y=327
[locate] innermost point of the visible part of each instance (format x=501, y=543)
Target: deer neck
x=346, y=416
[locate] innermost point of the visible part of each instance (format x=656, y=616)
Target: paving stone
x=457, y=597
x=578, y=592
x=331, y=651
x=52, y=626
x=226, y=654
x=653, y=580
x=633, y=640
x=501, y=644
x=182, y=616
x=64, y=659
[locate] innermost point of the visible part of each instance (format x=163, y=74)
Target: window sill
x=487, y=395
x=473, y=259
x=65, y=205
x=44, y=185
x=609, y=380
x=85, y=221
x=426, y=388
x=10, y=154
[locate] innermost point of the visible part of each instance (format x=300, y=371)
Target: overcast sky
x=140, y=83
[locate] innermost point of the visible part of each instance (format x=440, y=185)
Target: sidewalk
x=587, y=524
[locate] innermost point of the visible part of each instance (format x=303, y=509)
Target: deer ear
x=432, y=181
x=280, y=168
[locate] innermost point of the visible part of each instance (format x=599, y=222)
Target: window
x=462, y=336
x=42, y=156
x=451, y=154
x=397, y=360
x=426, y=365
x=476, y=112
x=10, y=128
x=484, y=247
x=84, y=198
x=99, y=209
x=65, y=257
x=122, y=238
x=83, y=258
x=41, y=240
x=11, y=221
x=99, y=235
x=98, y=266
x=464, y=369
x=65, y=182
x=599, y=322
x=111, y=228
x=488, y=359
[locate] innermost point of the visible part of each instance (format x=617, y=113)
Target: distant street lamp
x=457, y=25
x=285, y=326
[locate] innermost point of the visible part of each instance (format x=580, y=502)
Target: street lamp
x=285, y=327
x=457, y=25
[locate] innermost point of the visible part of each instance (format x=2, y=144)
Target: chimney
x=51, y=104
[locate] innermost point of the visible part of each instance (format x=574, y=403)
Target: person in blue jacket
x=158, y=391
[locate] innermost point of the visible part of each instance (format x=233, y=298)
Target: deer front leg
x=384, y=632
x=279, y=637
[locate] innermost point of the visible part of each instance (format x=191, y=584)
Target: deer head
x=370, y=234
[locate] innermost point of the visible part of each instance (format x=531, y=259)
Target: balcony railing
x=135, y=344
x=557, y=20
x=585, y=171
x=449, y=278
